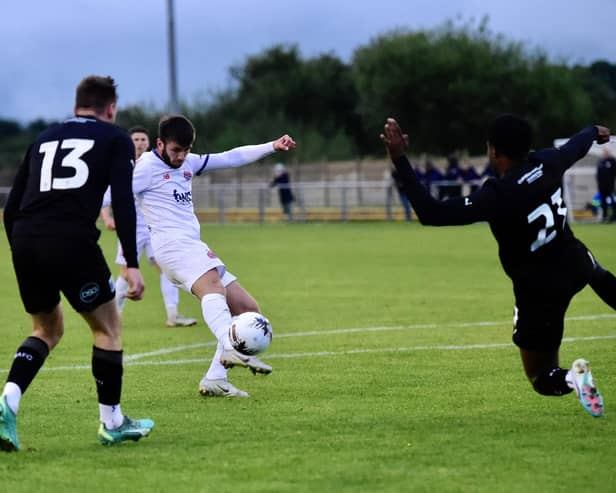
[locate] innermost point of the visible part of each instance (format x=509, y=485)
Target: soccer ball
x=250, y=333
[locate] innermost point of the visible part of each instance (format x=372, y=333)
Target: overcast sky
x=48, y=46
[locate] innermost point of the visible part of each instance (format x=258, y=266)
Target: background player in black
x=528, y=218
x=50, y=220
x=606, y=175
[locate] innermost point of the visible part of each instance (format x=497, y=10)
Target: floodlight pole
x=174, y=106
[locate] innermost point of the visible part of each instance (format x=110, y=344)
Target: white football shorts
x=184, y=261
x=144, y=245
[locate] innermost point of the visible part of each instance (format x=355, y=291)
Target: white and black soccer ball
x=250, y=333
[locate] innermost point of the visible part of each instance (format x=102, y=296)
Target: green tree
x=445, y=85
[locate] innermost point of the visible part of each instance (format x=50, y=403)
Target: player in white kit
x=162, y=183
x=170, y=292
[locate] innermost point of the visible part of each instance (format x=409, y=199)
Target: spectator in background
x=404, y=200
x=488, y=172
x=606, y=173
x=283, y=182
x=470, y=176
x=453, y=175
x=430, y=176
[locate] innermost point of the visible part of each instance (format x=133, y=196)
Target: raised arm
x=241, y=156
x=576, y=147
x=430, y=211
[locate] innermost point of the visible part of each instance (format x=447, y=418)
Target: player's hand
x=284, y=143
x=395, y=141
x=135, y=284
x=603, y=134
x=110, y=223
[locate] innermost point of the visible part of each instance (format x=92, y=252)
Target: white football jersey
x=164, y=194
x=141, y=227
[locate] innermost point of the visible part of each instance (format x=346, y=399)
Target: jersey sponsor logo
x=468, y=201
x=187, y=175
x=89, y=292
x=182, y=197
x=211, y=254
x=166, y=176
x=533, y=175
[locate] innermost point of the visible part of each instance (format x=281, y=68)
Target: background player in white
x=170, y=292
x=162, y=183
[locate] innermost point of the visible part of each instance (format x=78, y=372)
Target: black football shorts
x=542, y=300
x=46, y=267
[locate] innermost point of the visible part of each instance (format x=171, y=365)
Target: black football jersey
x=525, y=208
x=59, y=187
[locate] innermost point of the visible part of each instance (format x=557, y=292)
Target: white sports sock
x=216, y=370
x=171, y=297
x=111, y=416
x=12, y=392
x=121, y=290
x=217, y=317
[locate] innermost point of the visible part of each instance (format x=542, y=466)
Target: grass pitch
x=393, y=371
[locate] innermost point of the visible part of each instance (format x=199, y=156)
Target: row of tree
x=443, y=85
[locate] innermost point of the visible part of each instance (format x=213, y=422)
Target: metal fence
x=340, y=200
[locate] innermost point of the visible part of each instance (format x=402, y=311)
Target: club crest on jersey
x=211, y=254
x=166, y=176
x=182, y=197
x=187, y=175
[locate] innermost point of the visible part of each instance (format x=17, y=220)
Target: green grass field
x=393, y=371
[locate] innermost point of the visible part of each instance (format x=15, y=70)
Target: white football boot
x=181, y=321
x=219, y=387
x=230, y=358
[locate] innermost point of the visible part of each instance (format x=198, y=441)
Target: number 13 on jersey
x=71, y=160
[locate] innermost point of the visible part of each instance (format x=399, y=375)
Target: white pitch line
x=175, y=349
x=444, y=347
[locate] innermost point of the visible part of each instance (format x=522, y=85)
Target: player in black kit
x=50, y=221
x=528, y=218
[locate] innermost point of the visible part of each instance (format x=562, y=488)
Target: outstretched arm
x=430, y=211
x=240, y=156
x=576, y=147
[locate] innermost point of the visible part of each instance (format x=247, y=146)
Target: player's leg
x=121, y=284
x=121, y=288
x=214, y=383
x=603, y=283
x=47, y=330
x=170, y=292
x=107, y=369
x=171, y=298
x=217, y=316
x=543, y=371
x=240, y=300
x=37, y=278
x=88, y=290
x=538, y=331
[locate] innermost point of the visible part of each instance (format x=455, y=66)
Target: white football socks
x=171, y=297
x=12, y=392
x=121, y=291
x=217, y=317
x=216, y=370
x=111, y=416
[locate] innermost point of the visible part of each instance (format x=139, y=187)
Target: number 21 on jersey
x=72, y=160
x=546, y=211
